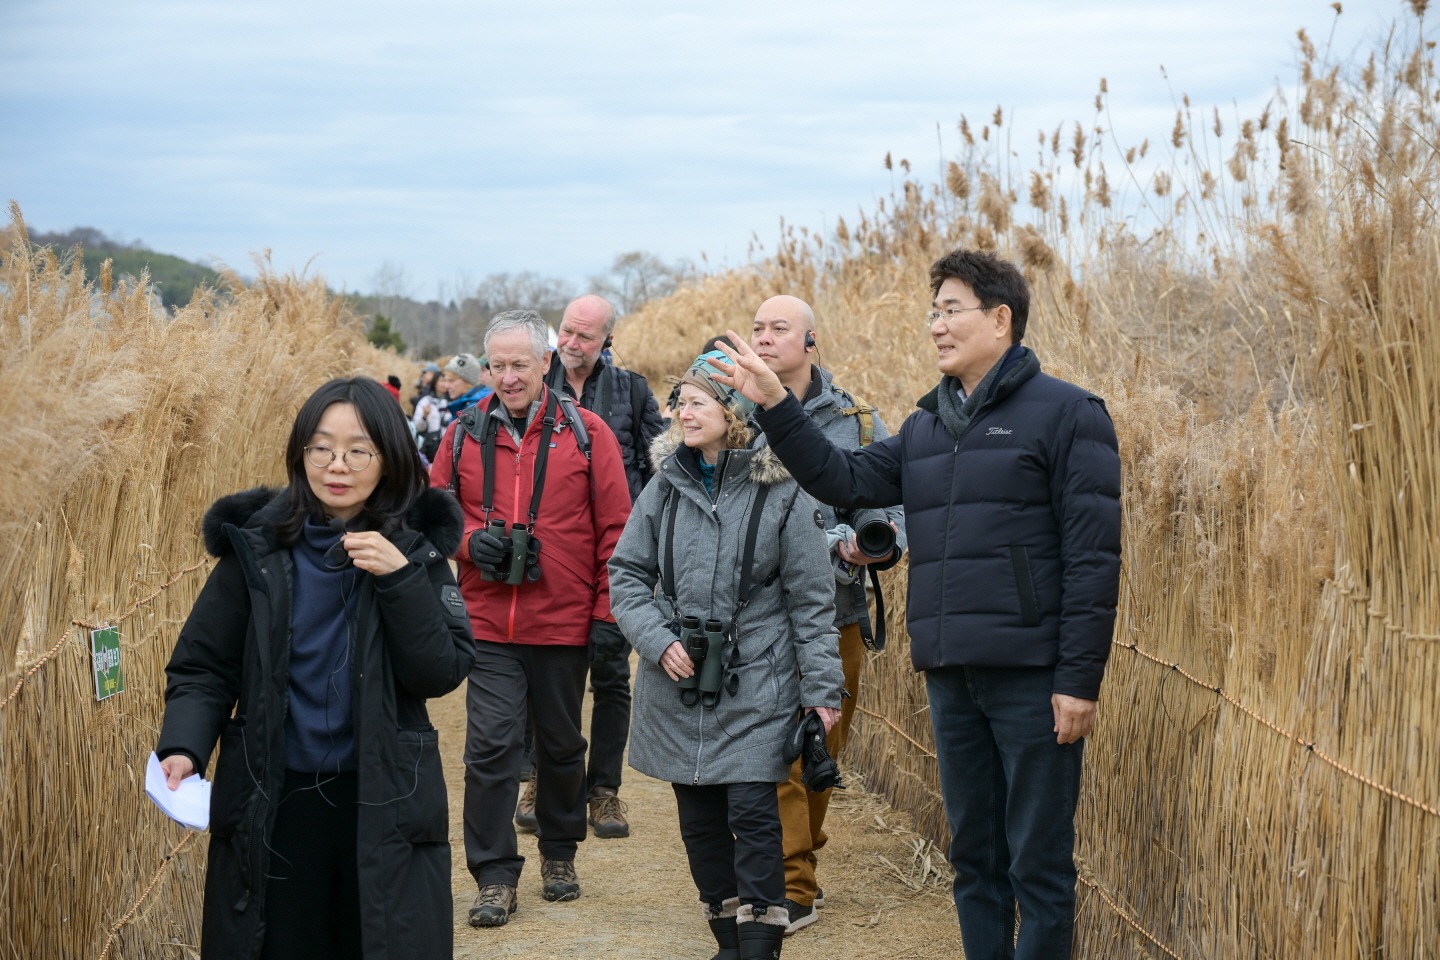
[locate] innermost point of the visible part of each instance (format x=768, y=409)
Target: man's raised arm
x=868, y=477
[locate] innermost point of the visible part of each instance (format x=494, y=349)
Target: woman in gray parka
x=718, y=734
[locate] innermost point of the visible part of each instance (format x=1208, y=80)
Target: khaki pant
x=802, y=813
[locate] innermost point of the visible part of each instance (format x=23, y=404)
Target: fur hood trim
x=765, y=467
x=435, y=515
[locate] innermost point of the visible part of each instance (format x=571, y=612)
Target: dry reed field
x=121, y=425
x=1257, y=300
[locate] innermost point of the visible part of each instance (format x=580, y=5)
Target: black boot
x=726, y=938
x=761, y=932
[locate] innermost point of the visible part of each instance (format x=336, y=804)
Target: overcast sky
x=482, y=137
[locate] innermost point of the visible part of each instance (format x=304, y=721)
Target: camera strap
x=748, y=590
x=872, y=636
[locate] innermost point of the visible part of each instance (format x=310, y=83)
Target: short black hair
x=404, y=478
x=995, y=281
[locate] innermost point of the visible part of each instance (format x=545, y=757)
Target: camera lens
x=875, y=538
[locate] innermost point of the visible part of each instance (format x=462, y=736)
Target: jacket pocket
x=1025, y=586
x=233, y=789
x=422, y=810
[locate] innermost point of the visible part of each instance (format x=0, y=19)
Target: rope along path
x=1309, y=745
x=1126, y=916
x=891, y=724
x=174, y=851
x=49, y=654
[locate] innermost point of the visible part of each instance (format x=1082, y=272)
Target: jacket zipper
x=514, y=504
x=720, y=465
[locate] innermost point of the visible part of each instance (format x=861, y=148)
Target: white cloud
x=549, y=136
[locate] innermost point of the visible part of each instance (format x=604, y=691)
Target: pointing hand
x=747, y=373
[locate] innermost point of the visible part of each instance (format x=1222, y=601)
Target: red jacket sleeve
x=440, y=477
x=611, y=507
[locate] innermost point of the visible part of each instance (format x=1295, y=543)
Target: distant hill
x=175, y=279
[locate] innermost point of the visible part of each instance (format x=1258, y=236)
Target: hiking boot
x=607, y=815
x=493, y=905
x=727, y=938
x=800, y=917
x=558, y=880
x=525, y=809
x=819, y=898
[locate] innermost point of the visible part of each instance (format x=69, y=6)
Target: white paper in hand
x=188, y=804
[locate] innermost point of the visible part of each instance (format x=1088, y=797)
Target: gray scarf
x=957, y=415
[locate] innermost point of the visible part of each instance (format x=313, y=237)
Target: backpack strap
x=577, y=427
x=866, y=413
x=667, y=569
x=639, y=390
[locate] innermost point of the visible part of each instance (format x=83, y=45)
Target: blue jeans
x=1010, y=792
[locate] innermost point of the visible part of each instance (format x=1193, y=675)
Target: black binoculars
x=874, y=536
x=703, y=646
x=522, y=554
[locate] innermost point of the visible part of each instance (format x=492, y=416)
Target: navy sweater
x=319, y=729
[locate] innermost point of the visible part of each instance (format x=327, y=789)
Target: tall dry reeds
x=1256, y=299
x=120, y=426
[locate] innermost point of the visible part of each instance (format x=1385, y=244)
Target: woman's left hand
x=828, y=716
x=373, y=553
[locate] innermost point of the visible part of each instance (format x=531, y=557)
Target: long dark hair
x=404, y=475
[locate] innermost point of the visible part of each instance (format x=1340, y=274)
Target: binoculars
x=703, y=645
x=874, y=536
x=522, y=554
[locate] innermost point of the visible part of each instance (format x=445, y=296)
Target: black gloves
x=806, y=743
x=606, y=641
x=486, y=552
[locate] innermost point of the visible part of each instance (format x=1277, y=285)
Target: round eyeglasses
x=322, y=456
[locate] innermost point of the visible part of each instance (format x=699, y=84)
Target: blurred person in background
x=328, y=620
x=1011, y=485
x=783, y=335
x=543, y=489
x=464, y=381
x=622, y=399
x=393, y=384
x=718, y=737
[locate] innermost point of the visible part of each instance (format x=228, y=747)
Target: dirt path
x=883, y=898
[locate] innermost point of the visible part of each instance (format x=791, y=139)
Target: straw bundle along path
x=1256, y=299
x=121, y=425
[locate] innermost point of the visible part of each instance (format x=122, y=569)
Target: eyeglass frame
x=344, y=457
x=935, y=315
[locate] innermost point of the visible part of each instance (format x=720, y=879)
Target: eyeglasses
x=948, y=314
x=322, y=456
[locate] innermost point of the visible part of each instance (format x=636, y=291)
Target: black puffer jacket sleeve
x=1085, y=492
x=867, y=477
x=204, y=670
x=427, y=629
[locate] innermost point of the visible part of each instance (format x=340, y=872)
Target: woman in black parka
x=330, y=618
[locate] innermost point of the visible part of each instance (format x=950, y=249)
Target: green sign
x=105, y=653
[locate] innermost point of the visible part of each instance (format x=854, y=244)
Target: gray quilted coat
x=788, y=643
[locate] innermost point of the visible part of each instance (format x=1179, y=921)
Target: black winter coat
x=229, y=681
x=1014, y=530
x=617, y=396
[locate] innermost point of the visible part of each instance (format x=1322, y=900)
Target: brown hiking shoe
x=558, y=880
x=607, y=815
x=493, y=905
x=525, y=809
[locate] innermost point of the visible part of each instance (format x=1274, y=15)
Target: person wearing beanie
x=730, y=651
x=466, y=369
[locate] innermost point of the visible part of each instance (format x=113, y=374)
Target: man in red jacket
x=539, y=530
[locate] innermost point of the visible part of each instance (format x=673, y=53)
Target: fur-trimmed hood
x=434, y=515
x=765, y=466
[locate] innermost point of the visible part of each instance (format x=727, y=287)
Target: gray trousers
x=506, y=677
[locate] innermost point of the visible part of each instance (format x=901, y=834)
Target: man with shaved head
x=621, y=398
x=785, y=337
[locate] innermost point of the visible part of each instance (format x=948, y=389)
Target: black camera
x=874, y=536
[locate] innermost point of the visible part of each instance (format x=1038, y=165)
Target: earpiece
x=608, y=340
x=809, y=340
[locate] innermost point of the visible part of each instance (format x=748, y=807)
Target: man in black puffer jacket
x=1010, y=481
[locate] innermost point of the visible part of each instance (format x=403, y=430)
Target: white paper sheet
x=188, y=804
